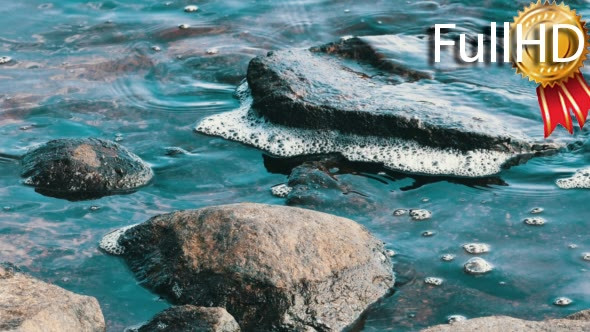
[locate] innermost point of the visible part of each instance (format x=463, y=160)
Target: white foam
x=110, y=242
x=243, y=125
x=581, y=179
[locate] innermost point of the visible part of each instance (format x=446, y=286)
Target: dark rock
x=78, y=169
x=321, y=89
x=188, y=318
x=30, y=305
x=314, y=187
x=576, y=322
x=273, y=268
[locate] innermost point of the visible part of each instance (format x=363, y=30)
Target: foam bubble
x=433, y=281
x=282, y=190
x=243, y=125
x=477, y=265
x=110, y=242
x=581, y=179
x=476, y=248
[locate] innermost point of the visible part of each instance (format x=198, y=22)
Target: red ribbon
x=557, y=101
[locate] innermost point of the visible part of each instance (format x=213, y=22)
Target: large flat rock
x=349, y=87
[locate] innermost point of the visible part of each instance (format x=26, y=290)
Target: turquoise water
x=84, y=69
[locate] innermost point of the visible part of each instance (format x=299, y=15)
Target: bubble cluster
x=562, y=301
x=581, y=179
x=477, y=265
x=191, y=8
x=433, y=281
x=535, y=221
x=447, y=257
x=420, y=214
x=476, y=248
x=456, y=319
x=282, y=190
x=400, y=212
x=110, y=242
x=243, y=125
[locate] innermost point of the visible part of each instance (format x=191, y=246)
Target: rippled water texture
x=84, y=69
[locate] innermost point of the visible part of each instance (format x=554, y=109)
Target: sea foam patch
x=244, y=125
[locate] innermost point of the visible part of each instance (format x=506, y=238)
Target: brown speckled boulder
x=274, y=268
x=30, y=305
x=189, y=318
x=78, y=169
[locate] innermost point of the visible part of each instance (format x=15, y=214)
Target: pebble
x=156, y=48
x=562, y=301
x=535, y=221
x=433, y=281
x=400, y=212
x=476, y=248
x=191, y=8
x=477, y=265
x=428, y=233
x=447, y=257
x=586, y=256
x=5, y=59
x=456, y=319
x=420, y=214
x=537, y=210
x=184, y=26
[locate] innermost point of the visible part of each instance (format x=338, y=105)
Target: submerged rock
x=188, y=318
x=575, y=322
x=30, y=305
x=88, y=168
x=336, y=99
x=272, y=267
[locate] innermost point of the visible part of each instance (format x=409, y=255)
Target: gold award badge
x=549, y=46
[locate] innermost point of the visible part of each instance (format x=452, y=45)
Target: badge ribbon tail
x=557, y=101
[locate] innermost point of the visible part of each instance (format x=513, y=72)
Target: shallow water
x=88, y=69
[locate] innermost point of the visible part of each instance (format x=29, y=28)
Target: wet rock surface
x=78, y=169
x=30, y=305
x=576, y=322
x=291, y=88
x=188, y=318
x=271, y=267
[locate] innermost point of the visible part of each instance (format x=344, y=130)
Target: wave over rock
x=273, y=268
x=347, y=98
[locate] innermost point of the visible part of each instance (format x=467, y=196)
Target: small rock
x=31, y=305
x=191, y=8
x=586, y=256
x=477, y=265
x=5, y=59
x=78, y=169
x=562, y=301
x=188, y=318
x=428, y=233
x=447, y=257
x=390, y=252
x=535, y=221
x=184, y=26
x=420, y=214
x=399, y=212
x=94, y=208
x=572, y=246
x=212, y=51
x=476, y=248
x=537, y=210
x=433, y=281
x=156, y=48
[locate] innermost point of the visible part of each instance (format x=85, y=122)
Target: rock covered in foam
x=87, y=168
x=301, y=261
x=581, y=179
x=189, y=318
x=31, y=305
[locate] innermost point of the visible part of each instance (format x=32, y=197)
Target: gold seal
x=548, y=73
